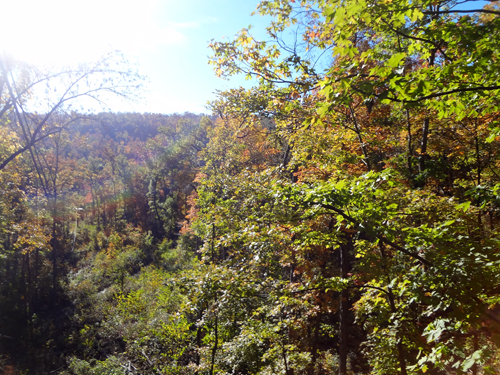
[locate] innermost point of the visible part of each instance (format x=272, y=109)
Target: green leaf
x=464, y=206
x=395, y=60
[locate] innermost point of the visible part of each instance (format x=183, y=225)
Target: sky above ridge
x=168, y=39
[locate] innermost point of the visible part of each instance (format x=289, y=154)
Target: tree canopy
x=341, y=216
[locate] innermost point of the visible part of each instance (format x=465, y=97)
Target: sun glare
x=65, y=31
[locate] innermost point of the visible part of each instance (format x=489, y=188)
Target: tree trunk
x=423, y=145
x=214, y=349
x=399, y=345
x=345, y=266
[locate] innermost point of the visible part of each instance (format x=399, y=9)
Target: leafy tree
x=30, y=96
x=388, y=145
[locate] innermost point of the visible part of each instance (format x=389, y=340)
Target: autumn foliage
x=341, y=216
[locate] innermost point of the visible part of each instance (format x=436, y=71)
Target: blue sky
x=167, y=38
x=181, y=79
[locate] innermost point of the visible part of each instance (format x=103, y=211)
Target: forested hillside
x=81, y=217
x=340, y=217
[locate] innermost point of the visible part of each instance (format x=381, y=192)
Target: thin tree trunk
x=399, y=338
x=399, y=345
x=410, y=147
x=425, y=127
x=344, y=307
x=364, y=150
x=214, y=349
x=423, y=145
x=54, y=261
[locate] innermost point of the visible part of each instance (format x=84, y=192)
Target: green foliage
x=340, y=217
x=385, y=161
x=111, y=366
x=77, y=231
